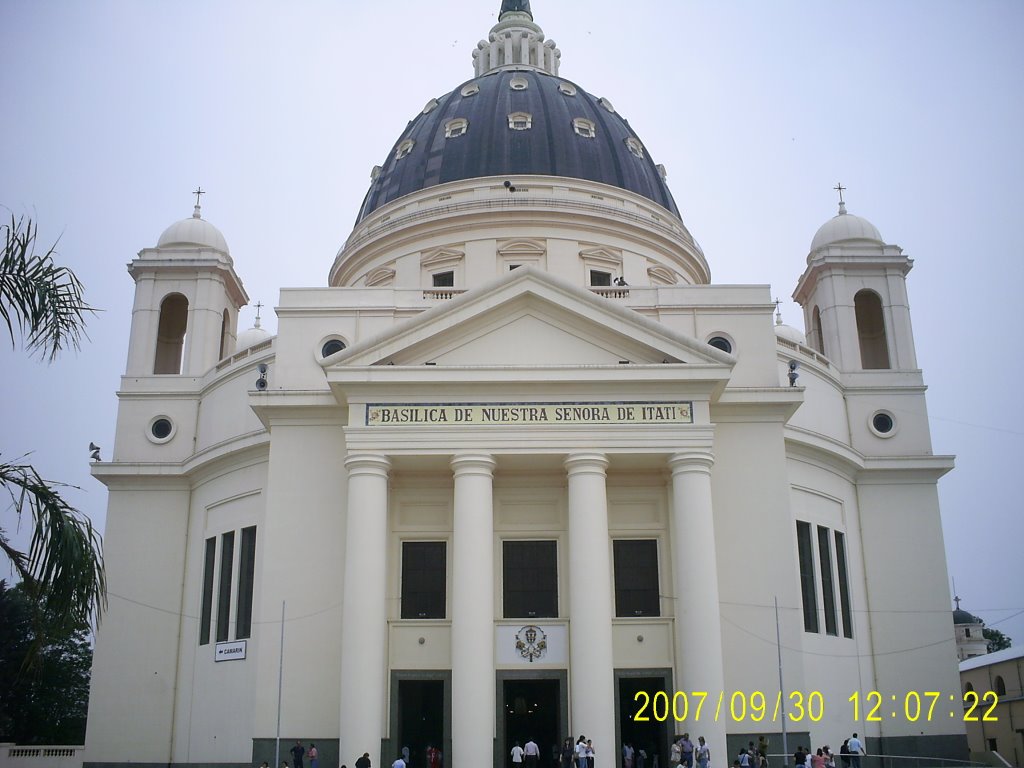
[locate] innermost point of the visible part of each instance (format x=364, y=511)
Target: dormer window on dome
x=635, y=147
x=518, y=83
x=455, y=128
x=567, y=89
x=606, y=104
x=585, y=128
x=404, y=149
x=430, y=106
x=470, y=90
x=520, y=121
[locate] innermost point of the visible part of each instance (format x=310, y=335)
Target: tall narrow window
x=246, y=576
x=424, y=570
x=170, y=334
x=874, y=349
x=808, y=594
x=225, y=325
x=206, y=614
x=530, y=571
x=636, y=577
x=828, y=589
x=227, y=558
x=817, y=340
x=844, y=585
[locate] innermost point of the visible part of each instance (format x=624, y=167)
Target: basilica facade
x=519, y=470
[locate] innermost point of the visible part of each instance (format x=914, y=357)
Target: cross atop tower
x=198, y=191
x=259, y=306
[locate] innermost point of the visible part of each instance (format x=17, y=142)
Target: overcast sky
x=113, y=112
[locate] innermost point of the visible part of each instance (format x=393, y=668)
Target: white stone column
x=472, y=635
x=695, y=567
x=591, y=683
x=364, y=621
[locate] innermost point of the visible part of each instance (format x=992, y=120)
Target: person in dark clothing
x=297, y=753
x=364, y=761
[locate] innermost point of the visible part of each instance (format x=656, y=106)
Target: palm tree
x=42, y=303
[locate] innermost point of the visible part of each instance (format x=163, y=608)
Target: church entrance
x=649, y=735
x=420, y=720
x=532, y=710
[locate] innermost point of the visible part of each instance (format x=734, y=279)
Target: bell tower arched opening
x=874, y=346
x=170, y=339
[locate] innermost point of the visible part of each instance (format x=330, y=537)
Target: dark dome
x=489, y=147
x=961, y=616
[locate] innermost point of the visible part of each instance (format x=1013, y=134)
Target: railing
x=54, y=756
x=442, y=293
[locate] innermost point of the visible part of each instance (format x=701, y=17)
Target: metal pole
x=280, y=679
x=782, y=690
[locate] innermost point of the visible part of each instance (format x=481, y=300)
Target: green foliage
x=48, y=703
x=997, y=641
x=38, y=298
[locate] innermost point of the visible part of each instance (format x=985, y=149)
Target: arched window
x=170, y=335
x=874, y=348
x=225, y=325
x=817, y=339
x=999, y=685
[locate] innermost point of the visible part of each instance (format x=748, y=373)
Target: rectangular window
x=443, y=279
x=828, y=589
x=637, y=591
x=844, y=585
x=246, y=575
x=227, y=558
x=424, y=574
x=206, y=614
x=600, y=278
x=809, y=596
x=530, y=571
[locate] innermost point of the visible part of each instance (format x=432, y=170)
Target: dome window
x=430, y=106
x=567, y=89
x=635, y=147
x=606, y=104
x=520, y=121
x=455, y=128
x=883, y=423
x=161, y=430
x=518, y=83
x=470, y=90
x=585, y=128
x=404, y=149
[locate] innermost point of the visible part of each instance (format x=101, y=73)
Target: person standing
x=517, y=755
x=703, y=753
x=532, y=753
x=581, y=752
x=568, y=754
x=627, y=755
x=799, y=757
x=314, y=756
x=856, y=750
x=686, y=751
x=590, y=754
x=399, y=761
x=364, y=761
x=297, y=753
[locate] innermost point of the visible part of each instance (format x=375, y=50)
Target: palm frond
x=39, y=300
x=64, y=565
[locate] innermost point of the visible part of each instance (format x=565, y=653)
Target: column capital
x=473, y=464
x=586, y=462
x=696, y=460
x=368, y=464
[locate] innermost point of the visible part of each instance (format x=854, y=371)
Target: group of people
x=685, y=752
x=849, y=755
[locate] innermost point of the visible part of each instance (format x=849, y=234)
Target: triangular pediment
x=528, y=318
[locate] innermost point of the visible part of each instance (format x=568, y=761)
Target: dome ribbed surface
x=961, y=616
x=845, y=226
x=551, y=147
x=193, y=231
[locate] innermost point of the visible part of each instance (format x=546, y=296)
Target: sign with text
x=232, y=651
x=529, y=414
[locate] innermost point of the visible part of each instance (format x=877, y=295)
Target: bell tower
x=854, y=296
x=187, y=297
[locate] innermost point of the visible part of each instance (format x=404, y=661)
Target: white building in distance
x=520, y=470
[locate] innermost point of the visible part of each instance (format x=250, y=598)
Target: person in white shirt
x=399, y=763
x=532, y=753
x=856, y=750
x=517, y=754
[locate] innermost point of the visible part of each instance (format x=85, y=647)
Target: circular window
x=161, y=429
x=722, y=343
x=331, y=347
x=883, y=424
